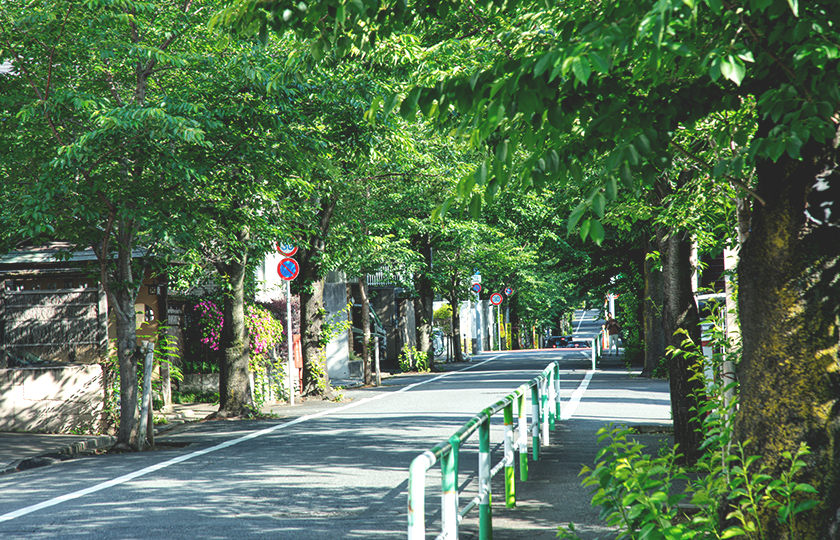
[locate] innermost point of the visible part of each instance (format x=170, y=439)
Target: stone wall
x=199, y=383
x=51, y=399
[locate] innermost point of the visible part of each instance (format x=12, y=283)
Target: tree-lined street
x=337, y=471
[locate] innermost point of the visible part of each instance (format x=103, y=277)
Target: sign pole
x=290, y=342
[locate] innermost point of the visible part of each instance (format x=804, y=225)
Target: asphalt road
x=338, y=472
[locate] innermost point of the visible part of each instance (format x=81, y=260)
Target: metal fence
x=544, y=394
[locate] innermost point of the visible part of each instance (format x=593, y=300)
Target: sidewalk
x=553, y=495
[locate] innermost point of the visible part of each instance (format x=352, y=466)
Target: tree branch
x=735, y=181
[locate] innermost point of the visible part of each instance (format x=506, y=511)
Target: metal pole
x=557, y=393
x=290, y=342
x=417, y=495
x=545, y=421
x=550, y=400
x=449, y=486
x=147, y=395
x=376, y=361
x=510, y=481
x=594, y=345
x=523, y=437
x=535, y=419
x=485, y=517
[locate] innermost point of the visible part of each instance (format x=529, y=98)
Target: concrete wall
x=51, y=400
x=338, y=349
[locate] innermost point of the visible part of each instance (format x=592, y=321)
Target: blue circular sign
x=495, y=299
x=288, y=269
x=476, y=287
x=508, y=291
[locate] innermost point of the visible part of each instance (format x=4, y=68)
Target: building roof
x=53, y=253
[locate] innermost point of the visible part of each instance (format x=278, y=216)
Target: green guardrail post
x=523, y=436
x=485, y=517
x=535, y=421
x=510, y=485
x=449, y=487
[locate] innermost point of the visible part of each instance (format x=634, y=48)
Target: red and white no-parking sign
x=288, y=269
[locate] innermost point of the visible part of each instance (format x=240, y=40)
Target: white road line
x=186, y=457
x=567, y=410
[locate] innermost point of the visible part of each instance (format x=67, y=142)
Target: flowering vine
x=211, y=321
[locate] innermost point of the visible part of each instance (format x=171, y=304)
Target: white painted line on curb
x=568, y=410
x=186, y=457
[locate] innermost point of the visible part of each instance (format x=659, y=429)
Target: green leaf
x=480, y=174
x=598, y=62
x=475, y=205
x=575, y=216
x=612, y=187
x=581, y=69
x=599, y=202
x=733, y=68
x=502, y=151
x=596, y=232
x=732, y=532
x=794, y=7
x=584, y=232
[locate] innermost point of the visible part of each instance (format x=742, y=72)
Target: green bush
x=413, y=360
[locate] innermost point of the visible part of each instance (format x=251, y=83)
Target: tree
x=581, y=81
x=97, y=142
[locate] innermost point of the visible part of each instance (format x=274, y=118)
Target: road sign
x=288, y=269
x=495, y=299
x=508, y=291
x=286, y=248
x=476, y=287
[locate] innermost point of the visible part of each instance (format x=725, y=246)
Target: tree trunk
x=365, y=329
x=652, y=306
x=234, y=383
x=122, y=294
x=680, y=313
x=457, y=352
x=315, y=379
x=424, y=304
x=790, y=370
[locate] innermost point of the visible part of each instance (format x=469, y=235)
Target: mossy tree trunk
x=790, y=372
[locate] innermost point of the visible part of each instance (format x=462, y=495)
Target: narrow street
x=339, y=471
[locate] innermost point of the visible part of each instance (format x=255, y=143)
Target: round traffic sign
x=286, y=248
x=508, y=291
x=476, y=287
x=495, y=299
x=288, y=269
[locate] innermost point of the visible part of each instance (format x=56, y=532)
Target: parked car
x=555, y=342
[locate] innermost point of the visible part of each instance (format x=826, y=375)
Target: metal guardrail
x=544, y=391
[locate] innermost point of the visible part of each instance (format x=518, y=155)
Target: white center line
x=568, y=409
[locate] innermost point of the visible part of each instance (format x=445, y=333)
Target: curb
x=66, y=452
